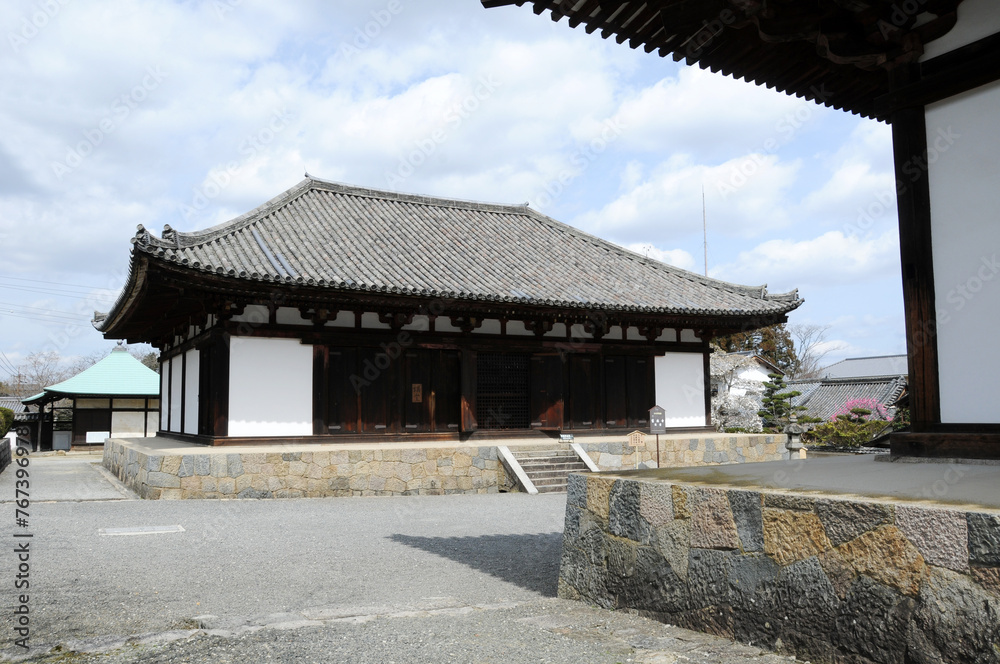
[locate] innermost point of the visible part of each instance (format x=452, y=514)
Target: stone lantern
x=796, y=450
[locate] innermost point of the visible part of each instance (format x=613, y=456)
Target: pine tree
x=773, y=343
x=776, y=404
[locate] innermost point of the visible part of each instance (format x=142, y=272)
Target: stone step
x=525, y=454
x=554, y=488
x=551, y=463
x=548, y=476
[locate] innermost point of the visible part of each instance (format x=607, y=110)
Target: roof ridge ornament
x=169, y=235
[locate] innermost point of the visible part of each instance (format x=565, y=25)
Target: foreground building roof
x=325, y=240
x=836, y=53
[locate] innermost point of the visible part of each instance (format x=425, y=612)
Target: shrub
x=855, y=423
x=6, y=421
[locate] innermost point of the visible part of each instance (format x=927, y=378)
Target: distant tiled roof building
x=856, y=367
x=825, y=397
x=882, y=378
x=117, y=396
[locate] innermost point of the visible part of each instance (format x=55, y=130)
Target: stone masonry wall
x=826, y=579
x=367, y=472
x=686, y=451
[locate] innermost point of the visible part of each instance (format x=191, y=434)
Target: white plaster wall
x=443, y=324
x=976, y=19
x=680, y=388
x=755, y=374
x=633, y=334
x=689, y=335
x=128, y=424
x=516, y=328
x=420, y=323
x=577, y=332
x=558, y=330
x=151, y=420
x=965, y=236
x=290, y=316
x=255, y=314
x=669, y=334
x=164, y=396
x=270, y=387
x=370, y=321
x=175, y=393
x=343, y=319
x=614, y=333
x=489, y=326
x=191, y=392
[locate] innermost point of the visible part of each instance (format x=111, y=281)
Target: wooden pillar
x=321, y=383
x=219, y=395
x=469, y=379
x=707, y=354
x=909, y=145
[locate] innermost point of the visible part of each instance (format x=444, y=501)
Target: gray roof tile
x=353, y=238
x=822, y=398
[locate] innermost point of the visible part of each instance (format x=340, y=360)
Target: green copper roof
x=119, y=374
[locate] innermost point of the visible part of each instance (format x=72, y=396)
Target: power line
x=45, y=310
x=53, y=283
x=7, y=364
x=43, y=319
x=59, y=292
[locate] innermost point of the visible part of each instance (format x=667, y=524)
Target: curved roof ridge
x=171, y=239
x=760, y=292
x=344, y=237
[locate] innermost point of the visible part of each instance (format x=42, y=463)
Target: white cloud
x=700, y=111
x=669, y=201
x=829, y=258
x=676, y=257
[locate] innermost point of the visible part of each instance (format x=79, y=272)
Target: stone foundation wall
x=367, y=472
x=677, y=451
x=825, y=579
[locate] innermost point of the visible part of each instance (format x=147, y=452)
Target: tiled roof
x=856, y=367
x=13, y=403
x=348, y=238
x=824, y=397
x=119, y=374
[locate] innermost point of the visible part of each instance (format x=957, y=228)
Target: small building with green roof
x=119, y=396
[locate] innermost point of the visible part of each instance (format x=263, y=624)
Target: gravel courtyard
x=465, y=578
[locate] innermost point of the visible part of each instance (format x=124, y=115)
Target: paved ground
x=966, y=484
x=407, y=579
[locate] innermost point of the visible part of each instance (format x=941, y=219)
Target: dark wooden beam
x=321, y=383
x=909, y=144
x=468, y=369
x=945, y=76
x=219, y=380
x=946, y=445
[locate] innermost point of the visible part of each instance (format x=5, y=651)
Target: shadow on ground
x=528, y=561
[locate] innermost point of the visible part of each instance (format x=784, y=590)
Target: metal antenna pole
x=704, y=227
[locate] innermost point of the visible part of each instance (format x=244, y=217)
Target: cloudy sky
x=191, y=113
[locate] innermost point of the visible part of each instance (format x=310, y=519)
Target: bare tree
x=38, y=370
x=809, y=342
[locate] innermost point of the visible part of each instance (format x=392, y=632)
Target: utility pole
x=704, y=227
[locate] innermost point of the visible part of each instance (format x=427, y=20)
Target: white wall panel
x=191, y=392
x=963, y=144
x=270, y=387
x=976, y=19
x=176, y=389
x=680, y=388
x=127, y=424
x=164, y=396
